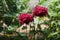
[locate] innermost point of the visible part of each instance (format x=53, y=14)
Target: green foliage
x=54, y=16
x=9, y=10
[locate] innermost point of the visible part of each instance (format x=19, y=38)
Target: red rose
x=25, y=18
x=39, y=11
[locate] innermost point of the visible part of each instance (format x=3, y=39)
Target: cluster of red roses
x=37, y=11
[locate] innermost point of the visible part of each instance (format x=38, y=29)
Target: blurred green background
x=9, y=11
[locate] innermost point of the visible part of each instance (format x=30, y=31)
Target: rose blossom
x=25, y=18
x=40, y=11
